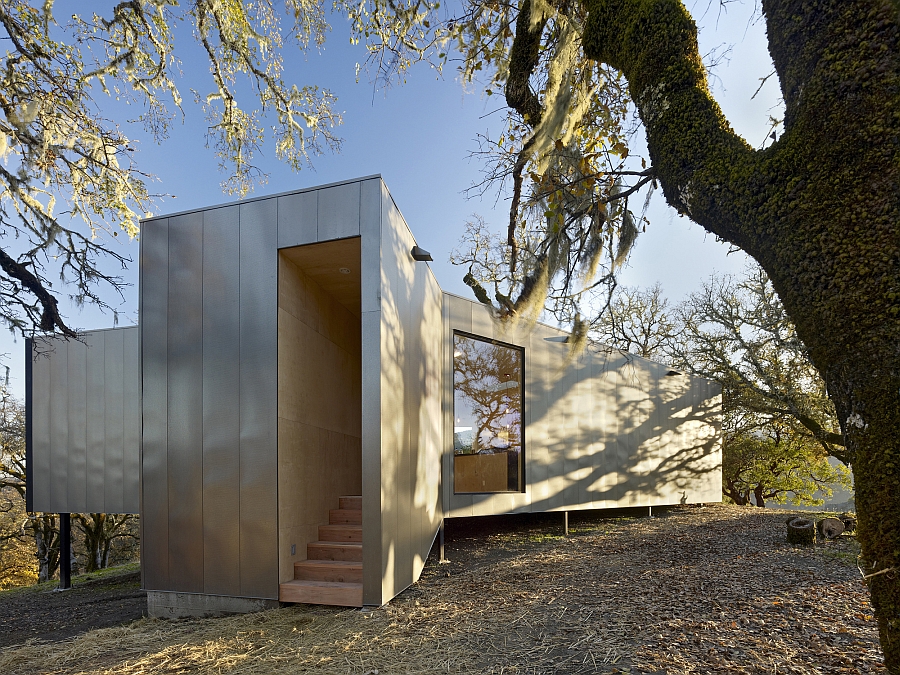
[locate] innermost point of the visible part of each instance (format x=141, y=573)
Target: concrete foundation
x=168, y=605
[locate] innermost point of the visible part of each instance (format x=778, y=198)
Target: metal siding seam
x=184, y=399
x=221, y=401
x=153, y=328
x=259, y=399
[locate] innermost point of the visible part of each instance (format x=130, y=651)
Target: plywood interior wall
x=319, y=394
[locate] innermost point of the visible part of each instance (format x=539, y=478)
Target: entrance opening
x=319, y=390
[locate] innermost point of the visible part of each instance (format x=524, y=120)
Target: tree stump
x=849, y=521
x=831, y=528
x=801, y=531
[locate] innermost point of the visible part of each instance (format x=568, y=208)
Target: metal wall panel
x=338, y=212
x=39, y=459
x=600, y=430
x=76, y=450
x=411, y=390
x=221, y=401
x=370, y=274
x=131, y=483
x=563, y=442
x=630, y=402
x=370, y=243
x=185, y=403
x=538, y=395
x=582, y=427
x=95, y=404
x=392, y=408
x=154, y=408
x=59, y=426
x=298, y=219
x=371, y=453
x=605, y=487
x=69, y=434
x=114, y=421
x=259, y=398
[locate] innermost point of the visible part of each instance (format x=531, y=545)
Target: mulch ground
x=697, y=590
x=52, y=615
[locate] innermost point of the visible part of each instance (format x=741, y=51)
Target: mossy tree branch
x=700, y=162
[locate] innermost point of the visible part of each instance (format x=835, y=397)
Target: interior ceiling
x=323, y=262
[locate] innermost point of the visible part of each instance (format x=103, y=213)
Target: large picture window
x=487, y=412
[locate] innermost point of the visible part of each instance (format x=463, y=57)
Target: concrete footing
x=169, y=605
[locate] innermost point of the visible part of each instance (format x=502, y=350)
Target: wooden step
x=329, y=570
x=332, y=550
x=340, y=533
x=321, y=593
x=354, y=503
x=345, y=517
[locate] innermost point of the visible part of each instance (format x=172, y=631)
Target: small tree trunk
x=46, y=540
x=759, y=495
x=42, y=553
x=801, y=531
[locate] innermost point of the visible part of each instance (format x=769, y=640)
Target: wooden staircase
x=332, y=573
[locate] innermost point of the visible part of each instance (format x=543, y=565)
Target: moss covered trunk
x=819, y=209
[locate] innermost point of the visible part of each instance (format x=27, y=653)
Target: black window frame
x=522, y=427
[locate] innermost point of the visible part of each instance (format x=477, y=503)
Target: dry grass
x=711, y=590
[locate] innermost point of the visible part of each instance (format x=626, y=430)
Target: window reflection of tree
x=487, y=382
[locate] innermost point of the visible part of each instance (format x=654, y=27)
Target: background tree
x=775, y=463
x=777, y=421
x=17, y=566
x=99, y=532
x=39, y=533
x=736, y=331
x=638, y=321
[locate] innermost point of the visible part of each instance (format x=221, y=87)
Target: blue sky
x=418, y=136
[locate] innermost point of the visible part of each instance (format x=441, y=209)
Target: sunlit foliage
x=69, y=181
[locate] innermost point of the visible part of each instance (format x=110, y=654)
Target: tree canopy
x=69, y=180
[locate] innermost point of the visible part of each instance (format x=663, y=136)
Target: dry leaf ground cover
x=698, y=590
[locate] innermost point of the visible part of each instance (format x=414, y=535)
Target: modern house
x=301, y=407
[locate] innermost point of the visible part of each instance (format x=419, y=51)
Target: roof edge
x=238, y=202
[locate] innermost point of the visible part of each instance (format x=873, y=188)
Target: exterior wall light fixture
x=420, y=254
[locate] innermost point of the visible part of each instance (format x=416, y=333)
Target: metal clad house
x=294, y=354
